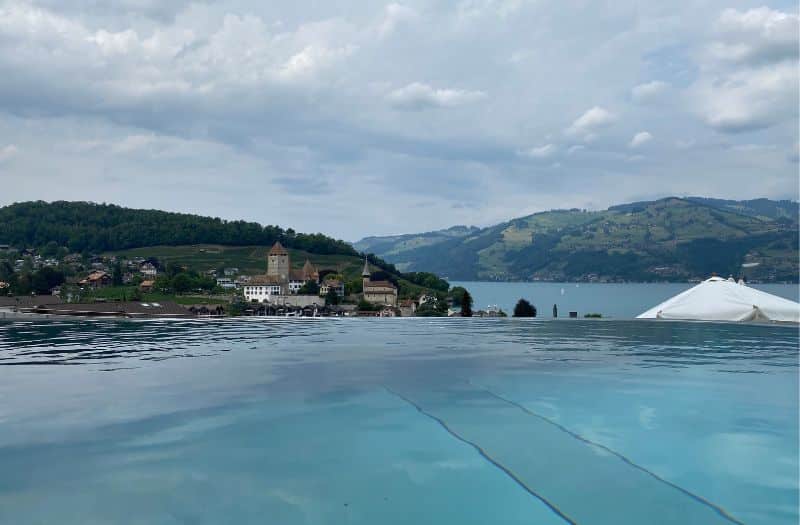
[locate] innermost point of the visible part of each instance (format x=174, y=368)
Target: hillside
x=90, y=227
x=201, y=243
x=666, y=240
x=252, y=260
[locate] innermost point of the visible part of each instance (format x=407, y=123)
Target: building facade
x=377, y=292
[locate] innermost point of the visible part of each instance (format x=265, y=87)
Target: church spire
x=365, y=273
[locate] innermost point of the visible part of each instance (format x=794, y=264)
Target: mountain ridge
x=670, y=239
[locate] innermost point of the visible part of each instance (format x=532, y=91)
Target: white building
x=226, y=282
x=261, y=290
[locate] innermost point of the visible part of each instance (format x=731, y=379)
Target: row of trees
x=90, y=227
x=27, y=281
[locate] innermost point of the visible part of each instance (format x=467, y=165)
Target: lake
x=397, y=421
x=620, y=301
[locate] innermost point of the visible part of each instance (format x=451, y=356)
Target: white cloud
x=649, y=91
x=756, y=35
x=750, y=98
x=749, y=74
x=587, y=125
x=540, y=152
x=417, y=96
x=312, y=59
x=8, y=152
x=575, y=148
x=394, y=16
x=641, y=138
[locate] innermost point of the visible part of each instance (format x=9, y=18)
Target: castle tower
x=365, y=275
x=278, y=262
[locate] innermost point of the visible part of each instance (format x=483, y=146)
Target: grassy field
x=126, y=293
x=251, y=260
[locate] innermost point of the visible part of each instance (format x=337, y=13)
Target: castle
x=280, y=279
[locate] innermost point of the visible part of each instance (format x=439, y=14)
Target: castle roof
x=309, y=268
x=365, y=272
x=278, y=249
x=379, y=284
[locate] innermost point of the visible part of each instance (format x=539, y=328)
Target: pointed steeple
x=365, y=273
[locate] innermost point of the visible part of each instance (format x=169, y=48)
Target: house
x=148, y=270
x=407, y=308
x=96, y=279
x=147, y=286
x=335, y=284
x=261, y=288
x=388, y=311
x=226, y=282
x=230, y=272
x=377, y=292
x=427, y=298
x=297, y=278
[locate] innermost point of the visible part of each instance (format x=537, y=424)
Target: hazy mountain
x=669, y=239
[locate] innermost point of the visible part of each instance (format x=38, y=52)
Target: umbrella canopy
x=718, y=299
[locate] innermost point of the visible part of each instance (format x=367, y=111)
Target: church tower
x=365, y=275
x=278, y=262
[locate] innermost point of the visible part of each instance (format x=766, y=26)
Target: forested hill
x=670, y=239
x=96, y=228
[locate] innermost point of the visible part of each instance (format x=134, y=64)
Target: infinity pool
x=445, y=421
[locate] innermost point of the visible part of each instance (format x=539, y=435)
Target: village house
x=408, y=308
x=96, y=279
x=146, y=286
x=148, y=270
x=335, y=284
x=226, y=283
x=297, y=278
x=378, y=292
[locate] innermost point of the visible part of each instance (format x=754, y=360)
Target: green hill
x=201, y=243
x=666, y=240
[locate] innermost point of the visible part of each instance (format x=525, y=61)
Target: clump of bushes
x=524, y=309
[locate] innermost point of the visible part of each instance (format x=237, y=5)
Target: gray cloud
x=485, y=108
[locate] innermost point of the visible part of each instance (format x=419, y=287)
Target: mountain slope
x=669, y=239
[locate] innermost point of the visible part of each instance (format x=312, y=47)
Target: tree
x=456, y=294
x=366, y=306
x=524, y=309
x=309, y=288
x=331, y=298
x=116, y=274
x=182, y=283
x=466, y=304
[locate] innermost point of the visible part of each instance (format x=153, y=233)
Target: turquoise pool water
x=445, y=421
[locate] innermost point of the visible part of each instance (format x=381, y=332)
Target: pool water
x=446, y=421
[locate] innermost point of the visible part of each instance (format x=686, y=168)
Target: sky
x=369, y=118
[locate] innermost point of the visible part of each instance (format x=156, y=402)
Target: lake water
x=620, y=301
x=397, y=421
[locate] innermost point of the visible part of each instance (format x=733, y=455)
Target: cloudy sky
x=362, y=118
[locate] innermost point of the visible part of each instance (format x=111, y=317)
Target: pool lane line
x=700, y=499
x=485, y=455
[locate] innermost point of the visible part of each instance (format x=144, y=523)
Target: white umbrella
x=718, y=299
